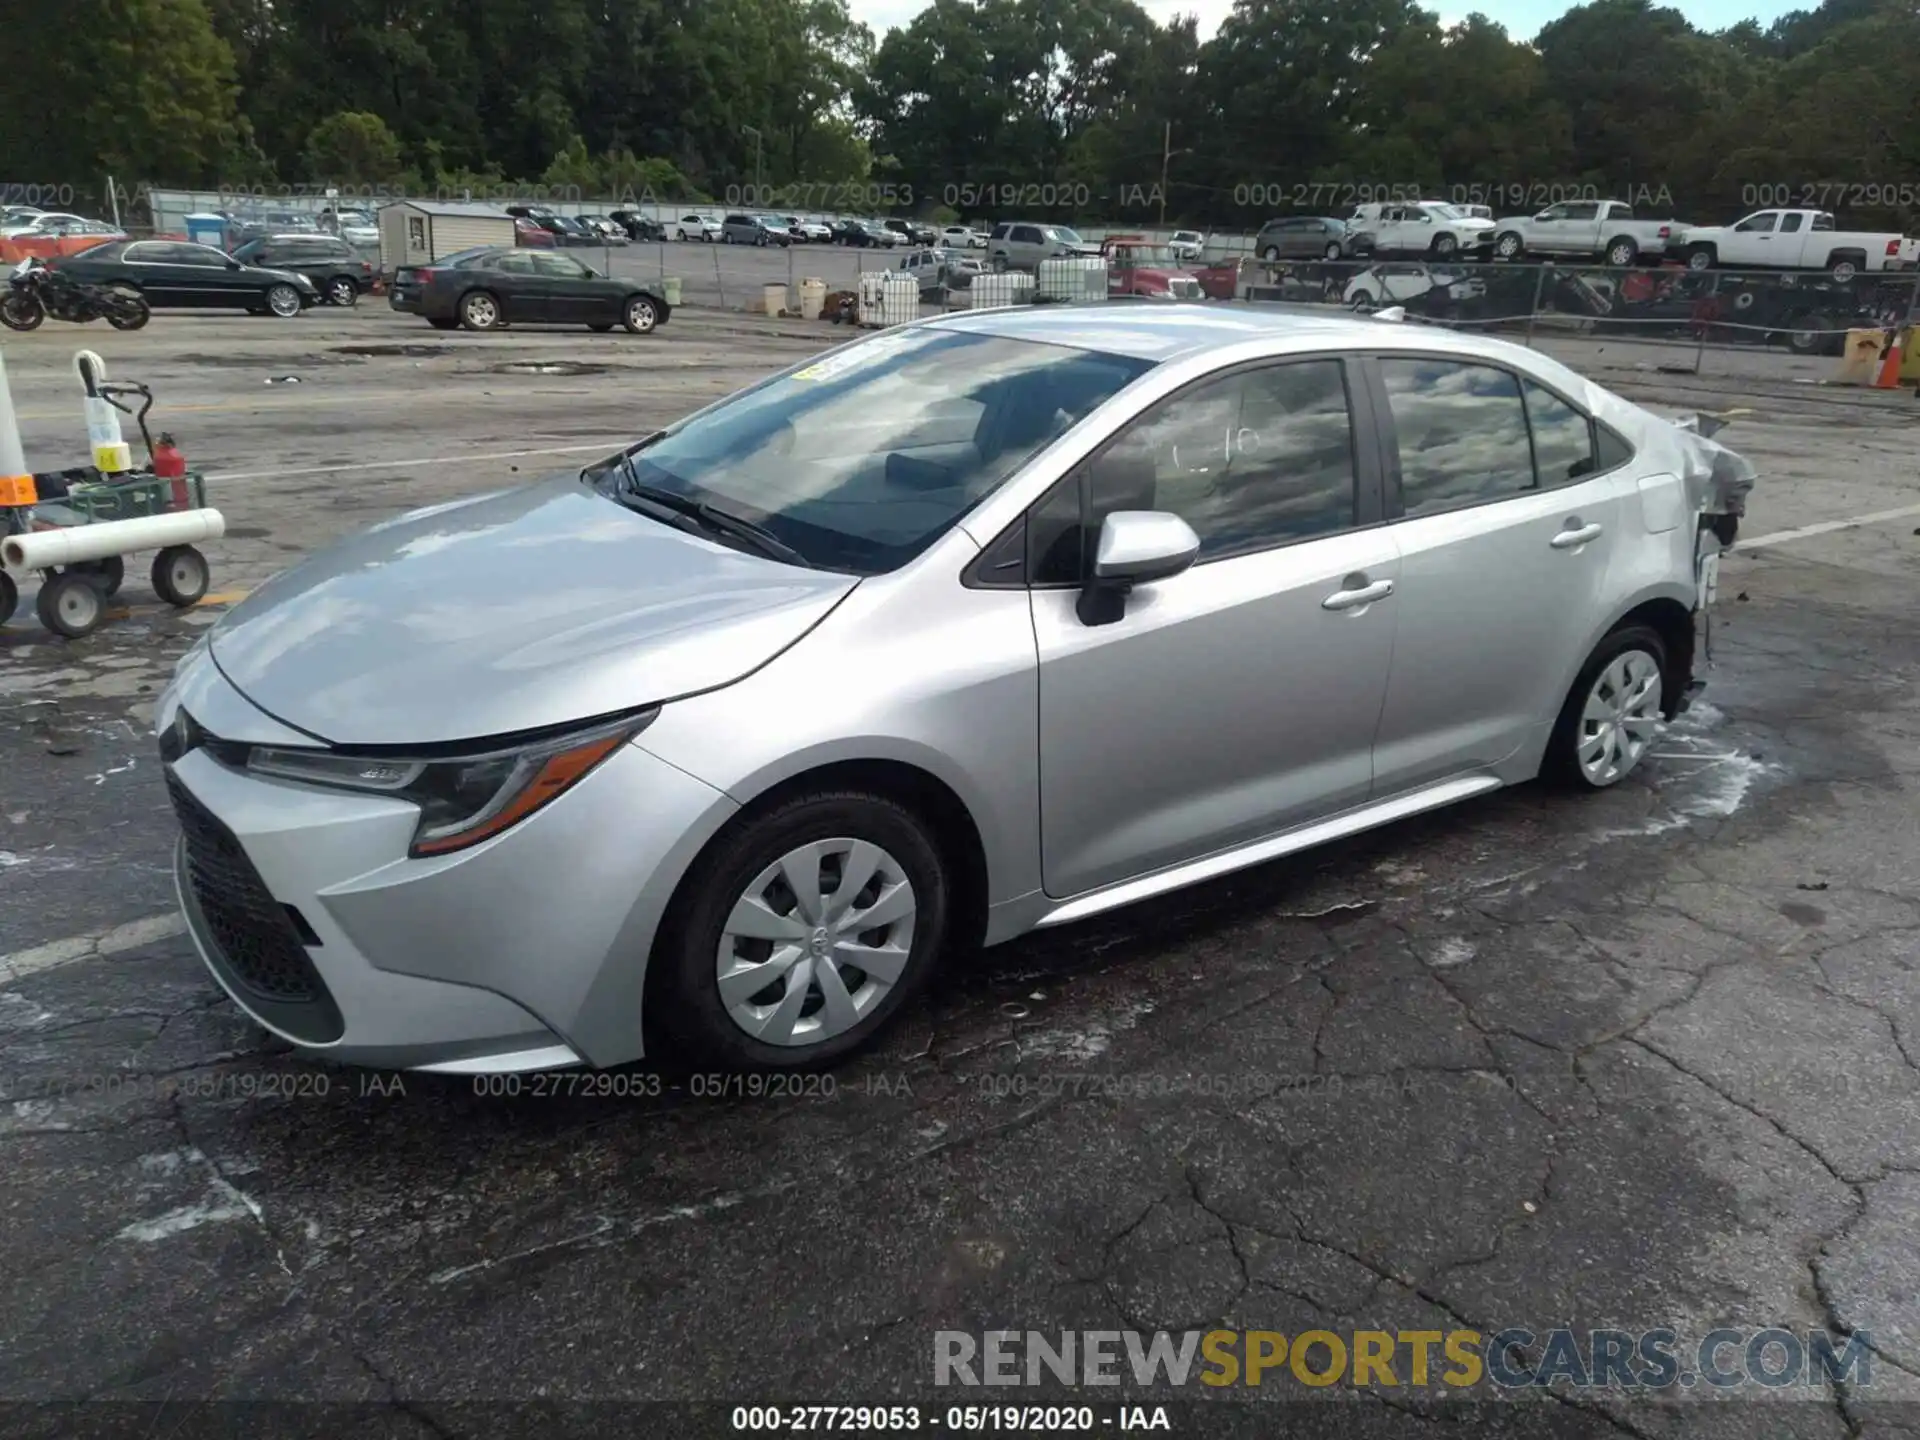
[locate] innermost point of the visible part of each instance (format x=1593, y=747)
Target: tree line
x=1047, y=108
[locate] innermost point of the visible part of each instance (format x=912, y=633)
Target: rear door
x=1580, y=230
x=153, y=266
x=1790, y=240
x=1237, y=699
x=512, y=278
x=1505, y=534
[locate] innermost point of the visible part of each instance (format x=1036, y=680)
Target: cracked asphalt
x=1644, y=1059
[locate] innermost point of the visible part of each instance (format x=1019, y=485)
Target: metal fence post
x=1533, y=309
x=718, y=279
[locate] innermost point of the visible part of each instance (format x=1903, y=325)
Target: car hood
x=508, y=612
x=292, y=277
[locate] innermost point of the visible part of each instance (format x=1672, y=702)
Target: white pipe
x=73, y=544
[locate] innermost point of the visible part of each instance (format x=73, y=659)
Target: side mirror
x=1136, y=547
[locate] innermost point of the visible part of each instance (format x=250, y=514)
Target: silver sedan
x=978, y=625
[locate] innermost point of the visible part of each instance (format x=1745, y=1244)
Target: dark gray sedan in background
x=486, y=288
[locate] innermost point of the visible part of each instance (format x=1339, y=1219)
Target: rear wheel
x=1613, y=711
x=802, y=932
x=479, y=311
x=1361, y=300
x=106, y=575
x=1271, y=253
x=1844, y=268
x=180, y=576
x=70, y=605
x=1332, y=252
x=9, y=597
x=342, y=291
x=129, y=310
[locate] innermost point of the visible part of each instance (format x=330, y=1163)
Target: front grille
x=252, y=930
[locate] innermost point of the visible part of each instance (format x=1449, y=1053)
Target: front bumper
x=527, y=951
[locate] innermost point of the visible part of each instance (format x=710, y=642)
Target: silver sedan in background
x=978, y=625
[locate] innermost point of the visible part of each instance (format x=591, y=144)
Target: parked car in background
x=336, y=269
x=37, y=220
x=1798, y=240
x=585, y=799
x=51, y=236
x=864, y=234
x=743, y=228
x=486, y=288
x=356, y=227
x=11, y=215
x=696, y=226
x=1303, y=237
x=1022, y=245
x=571, y=230
x=811, y=232
x=605, y=228
x=1428, y=227
x=1478, y=212
x=941, y=268
x=1400, y=282
x=532, y=234
x=638, y=226
x=911, y=232
x=175, y=274
x=1186, y=245
x=1584, y=227
x=962, y=237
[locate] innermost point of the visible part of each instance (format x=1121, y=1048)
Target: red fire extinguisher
x=170, y=464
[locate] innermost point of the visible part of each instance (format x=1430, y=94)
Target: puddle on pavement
x=398, y=352
x=549, y=367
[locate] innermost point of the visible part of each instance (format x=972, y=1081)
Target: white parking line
x=1827, y=527
x=606, y=447
x=109, y=941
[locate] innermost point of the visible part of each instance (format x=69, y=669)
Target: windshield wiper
x=711, y=517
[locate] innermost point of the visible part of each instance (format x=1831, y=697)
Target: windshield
x=1144, y=255
x=864, y=458
x=1443, y=212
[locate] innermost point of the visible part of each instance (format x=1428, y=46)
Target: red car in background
x=50, y=236
x=525, y=232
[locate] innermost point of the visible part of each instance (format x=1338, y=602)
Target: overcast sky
x=1523, y=18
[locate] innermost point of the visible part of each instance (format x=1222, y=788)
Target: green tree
x=355, y=147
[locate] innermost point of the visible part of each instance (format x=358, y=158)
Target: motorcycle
x=34, y=292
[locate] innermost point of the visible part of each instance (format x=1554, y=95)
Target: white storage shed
x=418, y=232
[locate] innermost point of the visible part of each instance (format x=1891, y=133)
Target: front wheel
x=801, y=933
x=180, y=576
x=640, y=316
x=1444, y=245
x=70, y=605
x=1361, y=300
x=1613, y=711
x=22, y=312
x=1270, y=254
x=283, y=300
x=106, y=574
x=1332, y=252
x=1700, y=258
x=9, y=597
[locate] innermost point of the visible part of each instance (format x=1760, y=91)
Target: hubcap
x=77, y=605
x=1621, y=715
x=640, y=315
x=283, y=301
x=342, y=291
x=480, y=310
x=815, y=942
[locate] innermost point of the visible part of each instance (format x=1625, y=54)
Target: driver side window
x=1252, y=460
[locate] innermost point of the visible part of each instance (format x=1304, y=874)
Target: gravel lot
x=1648, y=1059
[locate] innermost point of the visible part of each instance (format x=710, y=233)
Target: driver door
x=1239, y=698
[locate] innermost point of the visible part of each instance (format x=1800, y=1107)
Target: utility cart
x=76, y=527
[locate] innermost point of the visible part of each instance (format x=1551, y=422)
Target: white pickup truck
x=1584, y=227
x=1794, y=239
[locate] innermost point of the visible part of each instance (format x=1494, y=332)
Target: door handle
x=1574, y=539
x=1359, y=596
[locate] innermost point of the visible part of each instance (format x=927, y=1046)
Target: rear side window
x=1611, y=450
x=1562, y=438
x=1461, y=430
x=1000, y=232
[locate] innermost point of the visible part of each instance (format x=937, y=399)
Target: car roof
x=1168, y=331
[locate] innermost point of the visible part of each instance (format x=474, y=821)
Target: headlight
x=465, y=799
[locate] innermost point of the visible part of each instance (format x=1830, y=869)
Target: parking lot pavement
x=1645, y=1059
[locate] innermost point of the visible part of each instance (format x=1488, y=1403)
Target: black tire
x=1508, y=245
x=1362, y=300
x=70, y=605
x=1332, y=252
x=443, y=324
x=283, y=301
x=640, y=315
x=22, y=312
x=9, y=597
x=1444, y=246
x=479, y=310
x=180, y=576
x=1700, y=257
x=1561, y=764
x=1270, y=254
x=1622, y=253
x=130, y=311
x=683, y=986
x=343, y=291
x=1844, y=267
